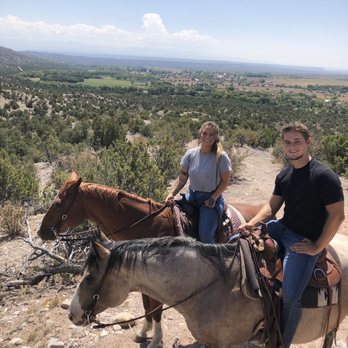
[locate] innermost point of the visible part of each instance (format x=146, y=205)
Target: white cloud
x=153, y=34
x=154, y=39
x=152, y=23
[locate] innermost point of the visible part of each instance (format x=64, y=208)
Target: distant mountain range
x=13, y=60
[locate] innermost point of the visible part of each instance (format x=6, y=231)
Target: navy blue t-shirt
x=306, y=192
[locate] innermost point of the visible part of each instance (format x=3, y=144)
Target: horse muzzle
x=46, y=234
x=83, y=320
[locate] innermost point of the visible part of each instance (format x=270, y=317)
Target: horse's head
x=96, y=292
x=63, y=212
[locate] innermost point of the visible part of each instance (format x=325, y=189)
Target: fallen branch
x=44, y=250
x=70, y=256
x=37, y=278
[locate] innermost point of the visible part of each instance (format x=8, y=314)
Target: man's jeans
x=208, y=217
x=297, y=271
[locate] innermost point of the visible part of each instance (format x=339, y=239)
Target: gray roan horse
x=206, y=276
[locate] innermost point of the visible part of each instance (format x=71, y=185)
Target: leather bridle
x=55, y=228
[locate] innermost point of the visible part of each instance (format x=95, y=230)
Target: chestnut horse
x=121, y=216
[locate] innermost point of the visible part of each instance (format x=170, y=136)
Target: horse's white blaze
x=76, y=314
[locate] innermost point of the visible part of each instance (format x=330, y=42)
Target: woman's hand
x=169, y=199
x=210, y=203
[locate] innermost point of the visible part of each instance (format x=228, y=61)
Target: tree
x=123, y=165
x=106, y=131
x=334, y=150
x=167, y=153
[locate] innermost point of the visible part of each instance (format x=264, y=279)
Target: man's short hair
x=296, y=127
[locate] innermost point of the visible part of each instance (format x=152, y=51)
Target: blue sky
x=290, y=32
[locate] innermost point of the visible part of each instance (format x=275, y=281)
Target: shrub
x=18, y=181
x=237, y=155
x=12, y=217
x=279, y=154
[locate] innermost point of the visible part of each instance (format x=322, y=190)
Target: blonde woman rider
x=209, y=169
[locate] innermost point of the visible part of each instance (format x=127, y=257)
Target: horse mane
x=102, y=192
x=126, y=253
x=65, y=187
x=105, y=192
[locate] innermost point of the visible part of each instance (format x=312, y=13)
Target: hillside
x=12, y=61
x=33, y=316
x=188, y=64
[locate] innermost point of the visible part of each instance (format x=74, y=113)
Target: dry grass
x=53, y=302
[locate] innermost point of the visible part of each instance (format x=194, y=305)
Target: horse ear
x=103, y=237
x=73, y=185
x=75, y=176
x=100, y=250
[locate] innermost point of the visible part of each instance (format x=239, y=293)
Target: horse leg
x=329, y=338
x=141, y=336
x=157, y=330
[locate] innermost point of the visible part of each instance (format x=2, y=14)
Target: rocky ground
x=37, y=316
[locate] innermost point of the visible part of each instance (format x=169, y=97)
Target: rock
x=116, y=328
x=55, y=343
x=16, y=341
x=124, y=316
x=65, y=304
x=341, y=344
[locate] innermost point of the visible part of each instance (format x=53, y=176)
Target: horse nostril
x=70, y=316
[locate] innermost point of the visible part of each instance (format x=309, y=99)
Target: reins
x=157, y=211
x=96, y=296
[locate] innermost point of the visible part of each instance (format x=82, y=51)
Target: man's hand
x=245, y=227
x=306, y=246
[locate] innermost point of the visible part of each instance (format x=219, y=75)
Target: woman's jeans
x=297, y=271
x=208, y=217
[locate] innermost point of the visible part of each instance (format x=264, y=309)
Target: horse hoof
x=138, y=338
x=154, y=345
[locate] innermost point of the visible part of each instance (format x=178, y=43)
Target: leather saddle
x=267, y=261
x=263, y=269
x=186, y=220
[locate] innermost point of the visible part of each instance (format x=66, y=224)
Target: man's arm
x=333, y=222
x=265, y=213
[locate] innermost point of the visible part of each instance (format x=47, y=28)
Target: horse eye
x=58, y=204
x=89, y=279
